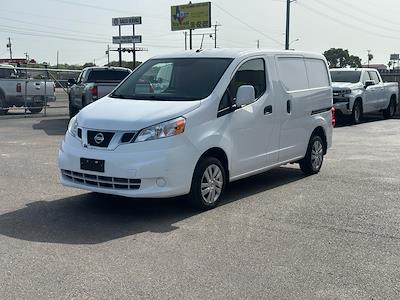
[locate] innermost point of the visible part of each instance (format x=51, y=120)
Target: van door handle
x=268, y=110
x=289, y=106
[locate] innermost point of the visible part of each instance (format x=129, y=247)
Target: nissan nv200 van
x=191, y=122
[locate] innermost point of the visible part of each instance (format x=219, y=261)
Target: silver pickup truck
x=92, y=84
x=19, y=92
x=360, y=91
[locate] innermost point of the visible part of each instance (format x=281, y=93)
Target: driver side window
x=252, y=73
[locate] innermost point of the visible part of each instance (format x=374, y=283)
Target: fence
x=34, y=91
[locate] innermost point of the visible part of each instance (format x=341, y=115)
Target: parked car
x=360, y=91
x=19, y=92
x=92, y=84
x=225, y=115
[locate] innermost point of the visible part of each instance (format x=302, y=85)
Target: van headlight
x=73, y=126
x=162, y=130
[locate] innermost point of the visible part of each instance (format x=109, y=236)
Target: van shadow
x=92, y=219
x=52, y=126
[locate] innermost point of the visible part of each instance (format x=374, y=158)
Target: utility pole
x=57, y=59
x=369, y=52
x=26, y=57
x=258, y=44
x=108, y=55
x=119, y=49
x=9, y=46
x=287, y=23
x=185, y=40
x=215, y=34
x=190, y=39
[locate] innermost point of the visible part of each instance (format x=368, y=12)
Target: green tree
x=340, y=58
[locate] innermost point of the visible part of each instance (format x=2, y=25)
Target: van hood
x=126, y=114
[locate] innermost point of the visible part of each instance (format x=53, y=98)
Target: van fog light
x=161, y=182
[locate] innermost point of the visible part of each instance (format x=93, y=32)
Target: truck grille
x=114, y=183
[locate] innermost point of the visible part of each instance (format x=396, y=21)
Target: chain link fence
x=28, y=92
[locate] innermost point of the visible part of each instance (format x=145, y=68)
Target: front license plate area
x=96, y=165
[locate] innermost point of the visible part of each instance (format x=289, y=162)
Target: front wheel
x=73, y=111
x=312, y=162
x=357, y=113
x=390, y=111
x=208, y=183
x=3, y=109
x=35, y=110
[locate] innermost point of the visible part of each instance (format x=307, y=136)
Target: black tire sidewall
x=2, y=105
x=195, y=191
x=357, y=105
x=306, y=163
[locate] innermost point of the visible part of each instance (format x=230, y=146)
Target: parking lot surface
x=278, y=235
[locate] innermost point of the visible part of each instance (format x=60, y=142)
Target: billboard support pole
x=190, y=39
x=119, y=49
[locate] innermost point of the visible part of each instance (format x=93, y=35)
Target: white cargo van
x=223, y=115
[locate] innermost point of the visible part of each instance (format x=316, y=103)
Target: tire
x=357, y=115
x=390, y=111
x=35, y=110
x=72, y=110
x=312, y=163
x=84, y=102
x=3, y=109
x=208, y=183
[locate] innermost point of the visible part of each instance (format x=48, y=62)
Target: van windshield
x=173, y=79
x=346, y=76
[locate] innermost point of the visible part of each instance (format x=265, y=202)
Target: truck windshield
x=346, y=76
x=107, y=75
x=173, y=79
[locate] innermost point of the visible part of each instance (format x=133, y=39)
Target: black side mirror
x=71, y=81
x=369, y=83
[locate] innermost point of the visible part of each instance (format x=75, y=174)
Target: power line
x=247, y=24
x=361, y=20
x=367, y=13
x=317, y=12
x=103, y=8
x=58, y=28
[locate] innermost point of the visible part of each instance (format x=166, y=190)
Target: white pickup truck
x=18, y=92
x=360, y=91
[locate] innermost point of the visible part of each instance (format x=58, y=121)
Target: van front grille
x=115, y=183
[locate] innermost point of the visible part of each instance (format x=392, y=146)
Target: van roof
x=351, y=69
x=234, y=53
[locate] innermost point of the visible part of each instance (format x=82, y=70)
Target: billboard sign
x=126, y=21
x=191, y=16
x=127, y=39
x=394, y=57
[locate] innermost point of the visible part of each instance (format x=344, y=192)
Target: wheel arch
x=320, y=131
x=220, y=154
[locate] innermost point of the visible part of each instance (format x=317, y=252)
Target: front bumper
x=342, y=105
x=163, y=167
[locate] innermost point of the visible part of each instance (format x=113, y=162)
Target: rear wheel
x=390, y=111
x=312, y=162
x=208, y=183
x=357, y=112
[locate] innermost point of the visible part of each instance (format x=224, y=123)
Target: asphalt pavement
x=278, y=235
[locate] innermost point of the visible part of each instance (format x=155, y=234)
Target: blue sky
x=85, y=27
